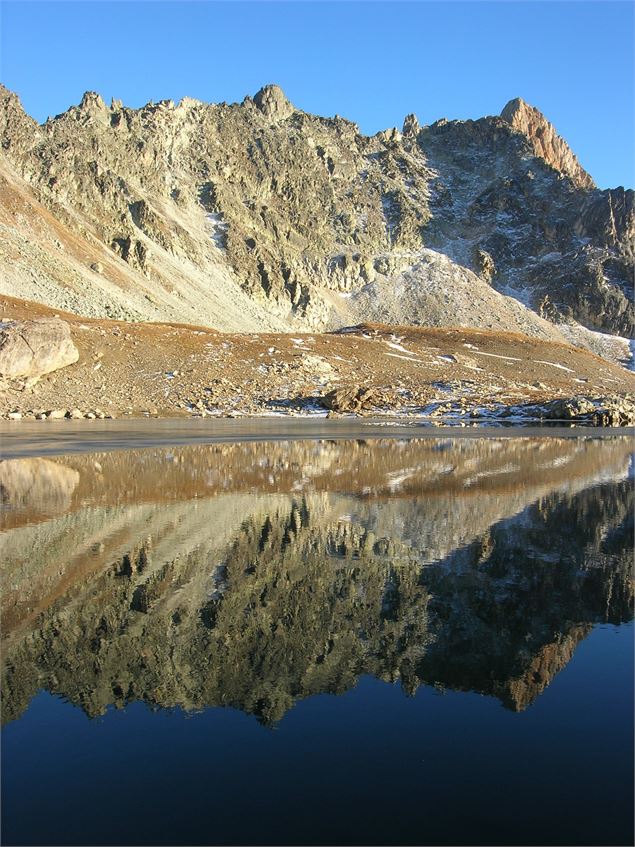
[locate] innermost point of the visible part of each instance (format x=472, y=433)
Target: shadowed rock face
x=259, y=214
x=473, y=565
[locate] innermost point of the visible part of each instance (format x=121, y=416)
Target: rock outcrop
x=545, y=141
x=37, y=347
x=602, y=411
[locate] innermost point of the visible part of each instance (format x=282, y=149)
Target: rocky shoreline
x=56, y=367
x=613, y=411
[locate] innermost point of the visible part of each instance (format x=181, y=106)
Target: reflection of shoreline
x=257, y=601
x=382, y=468
x=466, y=486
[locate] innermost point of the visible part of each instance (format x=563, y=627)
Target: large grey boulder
x=350, y=399
x=36, y=347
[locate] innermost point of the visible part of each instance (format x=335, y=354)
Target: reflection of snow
x=396, y=479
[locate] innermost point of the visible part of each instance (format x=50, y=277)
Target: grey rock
x=613, y=410
x=350, y=399
x=293, y=198
x=36, y=347
x=545, y=141
x=273, y=103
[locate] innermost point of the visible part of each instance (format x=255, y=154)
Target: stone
x=349, y=399
x=97, y=267
x=56, y=414
x=35, y=347
x=485, y=265
x=616, y=410
x=273, y=103
x=411, y=126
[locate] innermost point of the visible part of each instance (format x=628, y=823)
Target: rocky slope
x=257, y=216
x=170, y=370
x=256, y=574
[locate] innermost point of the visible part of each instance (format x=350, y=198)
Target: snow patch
x=218, y=229
x=553, y=365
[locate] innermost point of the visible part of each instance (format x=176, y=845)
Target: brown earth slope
x=172, y=369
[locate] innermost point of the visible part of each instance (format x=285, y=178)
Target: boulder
x=614, y=410
x=36, y=347
x=350, y=399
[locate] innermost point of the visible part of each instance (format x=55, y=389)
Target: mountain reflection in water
x=254, y=575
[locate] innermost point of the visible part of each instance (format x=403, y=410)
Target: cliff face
x=478, y=566
x=545, y=141
x=257, y=215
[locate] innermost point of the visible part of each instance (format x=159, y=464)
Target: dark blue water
x=369, y=766
x=405, y=667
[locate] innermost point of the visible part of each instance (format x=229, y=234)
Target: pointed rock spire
x=545, y=141
x=273, y=103
x=18, y=131
x=411, y=125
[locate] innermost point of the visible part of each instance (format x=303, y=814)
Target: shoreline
x=32, y=439
x=121, y=370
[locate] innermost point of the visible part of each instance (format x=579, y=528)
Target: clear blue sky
x=372, y=62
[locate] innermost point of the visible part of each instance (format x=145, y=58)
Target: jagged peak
x=273, y=102
x=16, y=127
x=91, y=100
x=8, y=96
x=411, y=125
x=545, y=141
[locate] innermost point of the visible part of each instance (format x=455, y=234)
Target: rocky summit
x=259, y=217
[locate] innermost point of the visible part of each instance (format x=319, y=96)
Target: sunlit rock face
x=545, y=141
x=259, y=574
x=259, y=215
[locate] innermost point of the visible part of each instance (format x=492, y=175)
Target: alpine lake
x=316, y=632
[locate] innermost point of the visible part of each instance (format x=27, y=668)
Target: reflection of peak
x=257, y=602
x=520, y=692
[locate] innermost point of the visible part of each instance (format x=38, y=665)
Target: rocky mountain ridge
x=257, y=216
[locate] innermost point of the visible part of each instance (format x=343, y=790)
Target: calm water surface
x=386, y=641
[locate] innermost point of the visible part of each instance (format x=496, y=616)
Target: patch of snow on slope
x=553, y=365
x=615, y=348
x=218, y=229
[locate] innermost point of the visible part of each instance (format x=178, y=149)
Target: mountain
x=258, y=216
